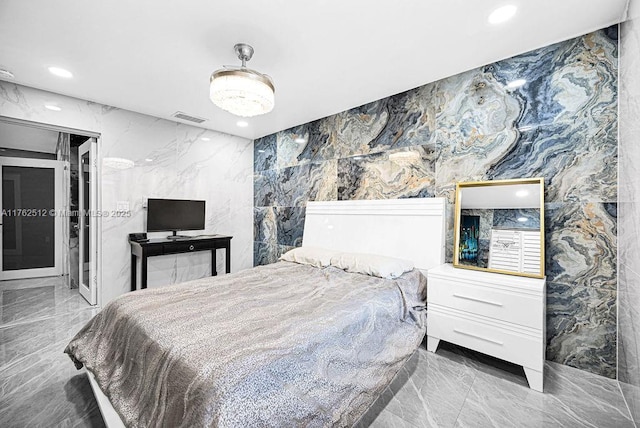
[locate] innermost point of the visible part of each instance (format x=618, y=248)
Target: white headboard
x=411, y=229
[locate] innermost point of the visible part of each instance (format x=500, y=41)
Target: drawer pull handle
x=191, y=247
x=475, y=299
x=478, y=337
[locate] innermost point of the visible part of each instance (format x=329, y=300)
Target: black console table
x=159, y=247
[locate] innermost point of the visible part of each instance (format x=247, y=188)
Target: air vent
x=183, y=116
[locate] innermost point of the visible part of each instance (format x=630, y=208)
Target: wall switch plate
x=122, y=206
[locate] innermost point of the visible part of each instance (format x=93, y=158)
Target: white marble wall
x=171, y=161
x=629, y=214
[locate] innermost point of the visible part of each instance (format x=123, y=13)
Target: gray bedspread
x=278, y=345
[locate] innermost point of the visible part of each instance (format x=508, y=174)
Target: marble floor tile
x=434, y=393
x=457, y=387
x=19, y=341
x=39, y=298
x=386, y=419
x=632, y=397
x=14, y=284
x=15, y=303
x=47, y=391
x=572, y=398
x=39, y=385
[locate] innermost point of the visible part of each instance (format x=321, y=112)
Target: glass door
x=31, y=227
x=87, y=231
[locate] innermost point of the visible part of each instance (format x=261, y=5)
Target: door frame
x=98, y=137
x=88, y=291
x=58, y=205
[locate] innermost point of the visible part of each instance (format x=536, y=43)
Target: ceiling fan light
x=243, y=92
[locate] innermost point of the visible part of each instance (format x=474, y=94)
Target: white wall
x=628, y=212
x=180, y=165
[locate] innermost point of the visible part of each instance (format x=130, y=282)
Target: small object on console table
x=496, y=314
x=144, y=248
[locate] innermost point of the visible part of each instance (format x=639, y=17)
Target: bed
x=293, y=343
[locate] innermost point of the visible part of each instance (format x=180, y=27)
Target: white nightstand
x=496, y=314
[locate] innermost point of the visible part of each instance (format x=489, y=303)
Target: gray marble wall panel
x=581, y=241
x=582, y=318
x=290, y=225
x=265, y=253
x=568, y=81
x=581, y=254
x=308, y=182
x=468, y=158
x=400, y=173
x=578, y=163
x=561, y=124
x=265, y=188
x=265, y=153
x=629, y=213
x=265, y=224
x=411, y=119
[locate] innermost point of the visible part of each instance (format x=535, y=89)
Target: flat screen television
x=174, y=215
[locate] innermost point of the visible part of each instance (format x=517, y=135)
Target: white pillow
x=314, y=256
x=371, y=264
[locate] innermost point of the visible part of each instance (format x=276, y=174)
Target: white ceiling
x=325, y=56
x=27, y=138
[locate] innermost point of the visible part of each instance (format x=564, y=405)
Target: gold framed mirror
x=499, y=226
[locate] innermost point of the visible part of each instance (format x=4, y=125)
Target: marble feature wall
x=560, y=125
x=629, y=213
x=171, y=161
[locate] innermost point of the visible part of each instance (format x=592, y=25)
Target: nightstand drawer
x=519, y=346
x=515, y=306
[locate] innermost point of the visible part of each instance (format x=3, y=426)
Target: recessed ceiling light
x=60, y=72
x=516, y=84
x=300, y=140
x=502, y=14
x=242, y=123
x=522, y=219
x=6, y=74
x=522, y=193
x=205, y=139
x=52, y=107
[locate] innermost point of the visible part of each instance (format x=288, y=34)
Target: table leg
x=227, y=257
x=214, y=271
x=134, y=262
x=143, y=274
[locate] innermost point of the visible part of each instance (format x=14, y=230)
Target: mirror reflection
x=500, y=227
